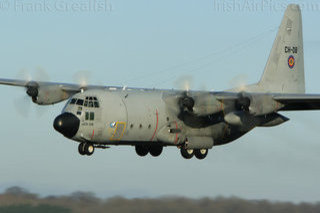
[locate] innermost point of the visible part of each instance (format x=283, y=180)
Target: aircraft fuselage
x=130, y=117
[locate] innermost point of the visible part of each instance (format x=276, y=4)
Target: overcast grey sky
x=151, y=44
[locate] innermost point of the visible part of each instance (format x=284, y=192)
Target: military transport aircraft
x=193, y=121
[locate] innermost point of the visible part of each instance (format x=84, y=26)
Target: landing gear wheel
x=155, y=151
x=201, y=153
x=186, y=153
x=142, y=150
x=81, y=149
x=88, y=149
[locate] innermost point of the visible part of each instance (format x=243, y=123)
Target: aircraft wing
x=293, y=102
x=290, y=102
x=47, y=93
x=12, y=82
x=72, y=88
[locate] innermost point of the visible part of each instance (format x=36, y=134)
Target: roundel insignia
x=291, y=61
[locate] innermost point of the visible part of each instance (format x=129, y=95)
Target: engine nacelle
x=47, y=95
x=263, y=105
x=207, y=105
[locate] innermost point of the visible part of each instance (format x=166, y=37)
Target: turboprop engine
x=195, y=103
x=46, y=94
x=256, y=104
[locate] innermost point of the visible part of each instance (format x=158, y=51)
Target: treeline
x=16, y=199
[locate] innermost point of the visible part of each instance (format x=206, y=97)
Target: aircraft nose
x=67, y=124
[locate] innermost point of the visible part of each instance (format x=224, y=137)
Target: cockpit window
x=91, y=102
x=80, y=102
x=73, y=101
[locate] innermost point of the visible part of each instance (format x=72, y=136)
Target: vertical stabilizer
x=284, y=71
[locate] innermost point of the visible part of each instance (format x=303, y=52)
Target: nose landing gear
x=86, y=149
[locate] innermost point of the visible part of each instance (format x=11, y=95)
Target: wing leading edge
x=72, y=88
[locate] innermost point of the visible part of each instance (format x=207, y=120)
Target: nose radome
x=67, y=124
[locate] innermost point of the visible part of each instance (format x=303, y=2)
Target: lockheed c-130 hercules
x=194, y=121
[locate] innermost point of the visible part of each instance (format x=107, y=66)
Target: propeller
x=197, y=103
x=239, y=82
x=185, y=102
x=184, y=82
x=243, y=102
x=22, y=104
x=82, y=78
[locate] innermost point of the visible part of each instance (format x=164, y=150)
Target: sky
x=154, y=44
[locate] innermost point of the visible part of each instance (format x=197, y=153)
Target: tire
x=81, y=149
x=142, y=150
x=201, y=153
x=186, y=153
x=88, y=149
x=155, y=151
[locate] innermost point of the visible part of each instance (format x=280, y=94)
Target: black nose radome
x=67, y=124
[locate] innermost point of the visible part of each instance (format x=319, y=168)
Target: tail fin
x=284, y=72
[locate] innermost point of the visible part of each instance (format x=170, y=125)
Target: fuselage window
x=90, y=116
x=73, y=101
x=80, y=102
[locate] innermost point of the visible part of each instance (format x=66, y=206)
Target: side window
x=91, y=116
x=73, y=101
x=80, y=102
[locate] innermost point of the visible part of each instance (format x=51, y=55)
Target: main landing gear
x=143, y=150
x=156, y=150
x=86, y=149
x=189, y=153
